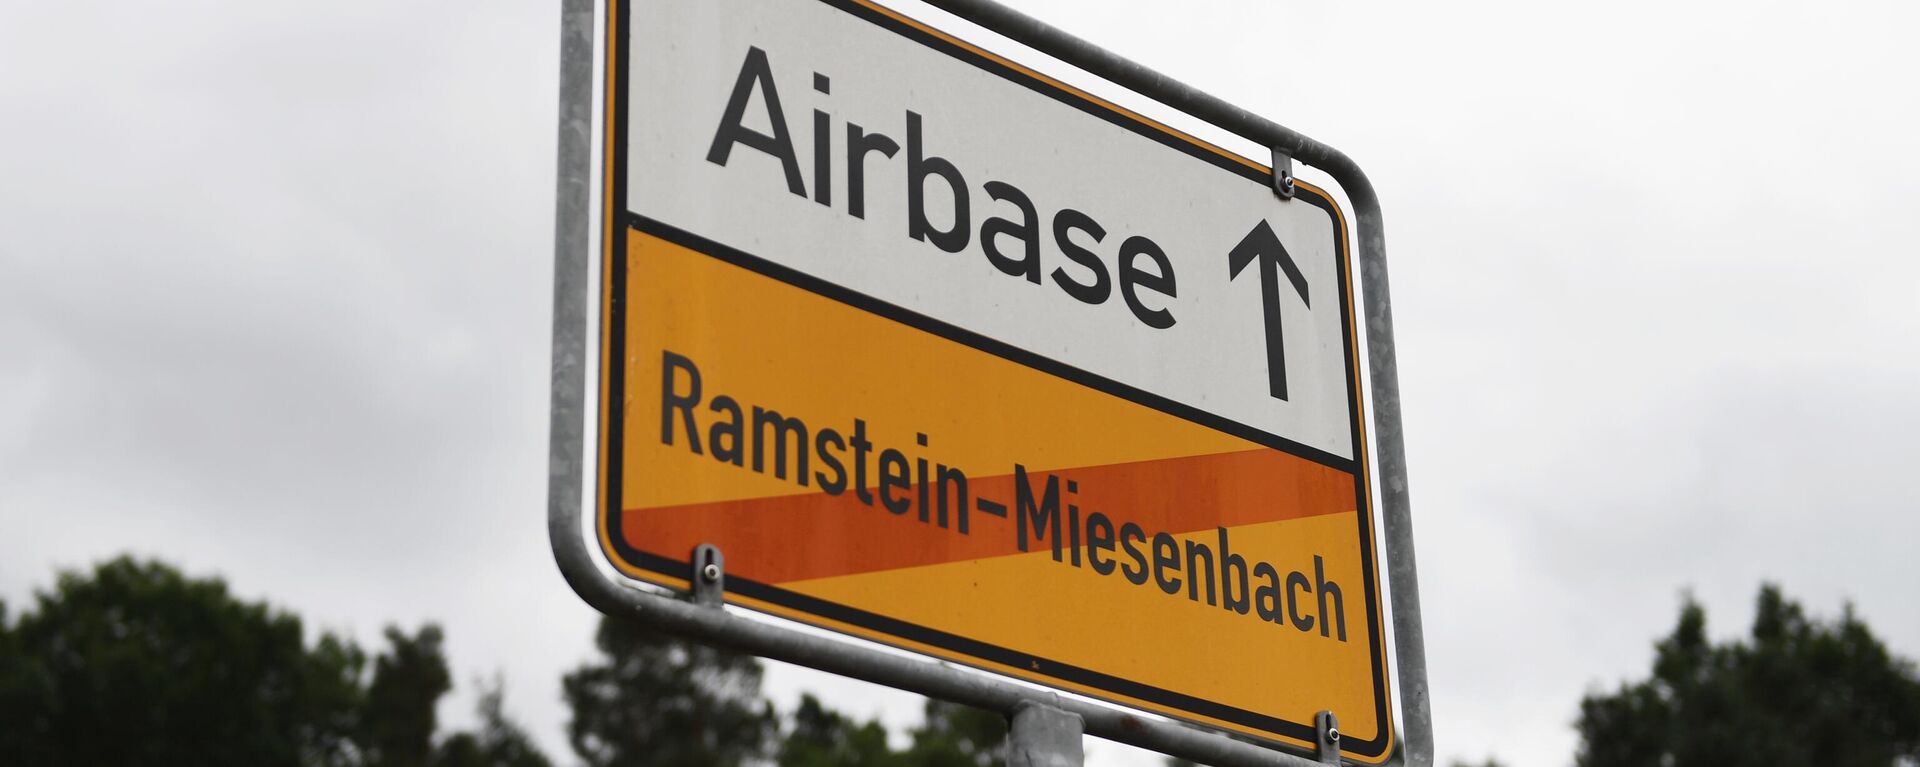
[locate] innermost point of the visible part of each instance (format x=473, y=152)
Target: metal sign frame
x=1044, y=724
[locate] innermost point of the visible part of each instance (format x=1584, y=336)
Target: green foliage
x=408, y=680
x=825, y=738
x=951, y=736
x=1796, y=692
x=137, y=664
x=498, y=743
x=958, y=736
x=652, y=699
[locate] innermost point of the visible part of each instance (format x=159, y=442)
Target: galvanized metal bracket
x=1043, y=735
x=709, y=577
x=1283, y=183
x=1327, y=743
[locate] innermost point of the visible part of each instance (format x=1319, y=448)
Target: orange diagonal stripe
x=800, y=537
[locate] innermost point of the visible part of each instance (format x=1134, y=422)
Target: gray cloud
x=274, y=293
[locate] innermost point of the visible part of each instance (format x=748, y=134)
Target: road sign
x=946, y=354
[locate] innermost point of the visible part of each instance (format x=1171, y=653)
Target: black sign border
x=674, y=569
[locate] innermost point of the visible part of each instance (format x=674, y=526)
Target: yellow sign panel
x=910, y=416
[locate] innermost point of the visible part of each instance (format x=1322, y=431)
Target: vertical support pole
x=1045, y=736
x=1327, y=745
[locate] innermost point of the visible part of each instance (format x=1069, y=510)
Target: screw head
x=711, y=572
x=1333, y=735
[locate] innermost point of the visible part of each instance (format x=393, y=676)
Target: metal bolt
x=711, y=572
x=1283, y=173
x=1333, y=735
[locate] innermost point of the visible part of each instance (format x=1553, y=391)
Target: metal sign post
x=785, y=309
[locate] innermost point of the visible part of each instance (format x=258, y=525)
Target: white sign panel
x=928, y=182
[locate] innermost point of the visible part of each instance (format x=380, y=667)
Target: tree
x=136, y=663
x=822, y=737
x=958, y=736
x=952, y=735
x=399, y=718
x=498, y=743
x=652, y=699
x=1797, y=691
x=408, y=681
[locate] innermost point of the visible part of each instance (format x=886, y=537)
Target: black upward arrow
x=1263, y=245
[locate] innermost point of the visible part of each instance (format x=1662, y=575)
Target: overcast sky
x=275, y=290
